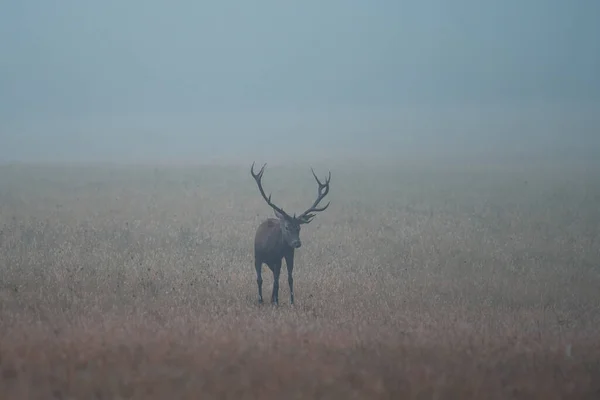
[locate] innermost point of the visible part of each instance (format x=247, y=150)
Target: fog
x=193, y=81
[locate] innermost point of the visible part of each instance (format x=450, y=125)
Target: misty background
x=189, y=81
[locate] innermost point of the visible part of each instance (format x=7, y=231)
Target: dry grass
x=462, y=282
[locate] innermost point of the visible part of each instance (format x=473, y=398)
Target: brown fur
x=268, y=241
x=270, y=248
x=276, y=238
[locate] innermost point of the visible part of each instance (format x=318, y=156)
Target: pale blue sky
x=131, y=80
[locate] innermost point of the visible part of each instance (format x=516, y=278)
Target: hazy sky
x=131, y=80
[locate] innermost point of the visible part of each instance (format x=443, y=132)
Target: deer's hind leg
x=259, y=281
x=289, y=262
x=276, y=268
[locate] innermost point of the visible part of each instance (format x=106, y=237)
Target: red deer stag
x=278, y=238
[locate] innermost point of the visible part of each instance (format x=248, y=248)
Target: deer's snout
x=297, y=244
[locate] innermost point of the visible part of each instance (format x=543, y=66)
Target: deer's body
x=269, y=244
x=271, y=249
x=277, y=238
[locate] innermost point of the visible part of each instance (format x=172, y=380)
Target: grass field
x=419, y=282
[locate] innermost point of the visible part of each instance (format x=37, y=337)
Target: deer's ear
x=278, y=214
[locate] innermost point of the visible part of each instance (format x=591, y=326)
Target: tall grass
x=417, y=282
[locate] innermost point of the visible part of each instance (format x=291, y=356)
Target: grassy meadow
x=419, y=282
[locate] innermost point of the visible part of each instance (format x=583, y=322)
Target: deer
x=278, y=238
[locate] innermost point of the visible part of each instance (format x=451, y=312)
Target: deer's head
x=290, y=225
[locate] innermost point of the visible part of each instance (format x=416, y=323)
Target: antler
x=257, y=177
x=308, y=215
